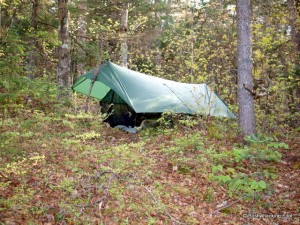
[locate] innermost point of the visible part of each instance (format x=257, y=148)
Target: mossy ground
x=67, y=168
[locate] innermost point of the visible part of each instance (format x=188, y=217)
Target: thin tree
x=244, y=67
x=168, y=12
x=294, y=9
x=123, y=29
x=81, y=33
x=33, y=42
x=64, y=61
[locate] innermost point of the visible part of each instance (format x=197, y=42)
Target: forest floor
x=62, y=168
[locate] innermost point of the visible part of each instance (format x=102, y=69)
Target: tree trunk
x=123, y=29
x=244, y=66
x=168, y=12
x=64, y=62
x=33, y=43
x=0, y=16
x=81, y=32
x=294, y=9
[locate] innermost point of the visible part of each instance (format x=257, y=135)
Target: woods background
x=187, y=41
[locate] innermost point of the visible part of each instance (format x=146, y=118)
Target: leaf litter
x=66, y=171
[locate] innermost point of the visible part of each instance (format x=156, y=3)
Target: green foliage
x=231, y=172
x=186, y=144
x=20, y=95
x=88, y=135
x=239, y=184
x=57, y=162
x=215, y=132
x=12, y=52
x=167, y=119
x=209, y=195
x=6, y=144
x=277, y=145
x=188, y=122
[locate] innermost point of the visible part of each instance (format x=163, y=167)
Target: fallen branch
x=101, y=173
x=165, y=210
x=226, y=206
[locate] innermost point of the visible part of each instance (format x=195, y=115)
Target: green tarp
x=149, y=94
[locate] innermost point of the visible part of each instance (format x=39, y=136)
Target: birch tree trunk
x=244, y=66
x=64, y=62
x=123, y=30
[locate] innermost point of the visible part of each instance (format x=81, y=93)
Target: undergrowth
x=62, y=166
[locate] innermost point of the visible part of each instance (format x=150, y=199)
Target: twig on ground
x=101, y=173
x=101, y=201
x=226, y=206
x=165, y=210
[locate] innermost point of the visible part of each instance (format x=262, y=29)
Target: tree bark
x=33, y=42
x=0, y=16
x=294, y=9
x=244, y=66
x=82, y=29
x=123, y=29
x=168, y=12
x=64, y=61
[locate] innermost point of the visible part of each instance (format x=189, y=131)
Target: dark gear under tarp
x=149, y=94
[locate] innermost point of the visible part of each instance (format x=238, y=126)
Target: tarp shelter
x=149, y=94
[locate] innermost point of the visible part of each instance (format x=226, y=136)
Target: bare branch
x=226, y=206
x=254, y=92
